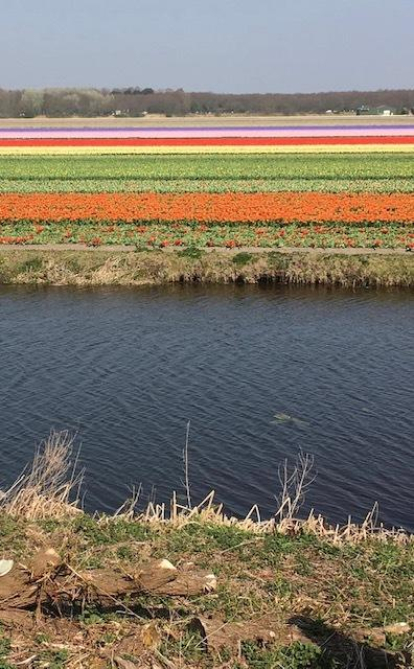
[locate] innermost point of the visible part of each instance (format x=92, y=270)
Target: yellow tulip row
x=101, y=150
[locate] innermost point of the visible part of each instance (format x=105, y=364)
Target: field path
x=215, y=249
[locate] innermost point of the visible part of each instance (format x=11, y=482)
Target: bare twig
x=186, y=467
x=295, y=483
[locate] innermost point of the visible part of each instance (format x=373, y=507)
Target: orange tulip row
x=283, y=207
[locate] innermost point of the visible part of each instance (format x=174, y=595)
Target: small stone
x=5, y=567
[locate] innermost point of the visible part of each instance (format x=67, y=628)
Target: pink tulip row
x=406, y=130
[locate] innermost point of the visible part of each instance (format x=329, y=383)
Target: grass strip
x=379, y=167
x=48, y=185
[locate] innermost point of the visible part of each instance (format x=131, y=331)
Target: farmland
x=302, y=186
x=232, y=167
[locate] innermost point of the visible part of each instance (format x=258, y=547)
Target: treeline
x=135, y=101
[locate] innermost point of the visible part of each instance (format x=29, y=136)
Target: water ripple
x=261, y=373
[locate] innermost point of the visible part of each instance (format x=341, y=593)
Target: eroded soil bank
x=120, y=266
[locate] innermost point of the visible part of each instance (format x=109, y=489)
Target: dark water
x=126, y=369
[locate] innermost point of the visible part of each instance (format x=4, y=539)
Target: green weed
x=5, y=647
x=296, y=656
x=189, y=647
x=53, y=659
x=242, y=258
x=191, y=252
x=110, y=532
x=34, y=264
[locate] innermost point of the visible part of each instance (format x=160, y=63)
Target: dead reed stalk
x=295, y=482
x=50, y=487
x=186, y=467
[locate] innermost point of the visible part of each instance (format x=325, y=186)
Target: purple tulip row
x=321, y=130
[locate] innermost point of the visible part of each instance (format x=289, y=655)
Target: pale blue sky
x=216, y=45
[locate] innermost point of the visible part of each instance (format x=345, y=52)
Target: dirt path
x=216, y=249
x=206, y=120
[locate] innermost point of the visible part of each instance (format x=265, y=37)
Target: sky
x=225, y=46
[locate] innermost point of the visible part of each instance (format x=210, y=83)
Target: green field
x=210, y=173
x=387, y=168
x=98, y=185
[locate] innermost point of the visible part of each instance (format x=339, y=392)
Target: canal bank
x=88, y=266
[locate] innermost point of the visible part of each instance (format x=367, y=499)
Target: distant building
x=382, y=110
x=363, y=111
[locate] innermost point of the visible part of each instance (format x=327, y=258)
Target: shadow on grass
x=344, y=651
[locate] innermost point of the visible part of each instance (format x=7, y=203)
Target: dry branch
x=47, y=581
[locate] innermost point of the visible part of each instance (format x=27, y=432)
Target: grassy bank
x=289, y=601
x=196, y=590
x=92, y=267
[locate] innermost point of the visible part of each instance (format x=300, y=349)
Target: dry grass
x=128, y=268
x=50, y=487
x=209, y=513
x=295, y=480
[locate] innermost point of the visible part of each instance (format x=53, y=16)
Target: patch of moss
x=191, y=252
x=242, y=258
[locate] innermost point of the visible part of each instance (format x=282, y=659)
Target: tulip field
x=314, y=186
